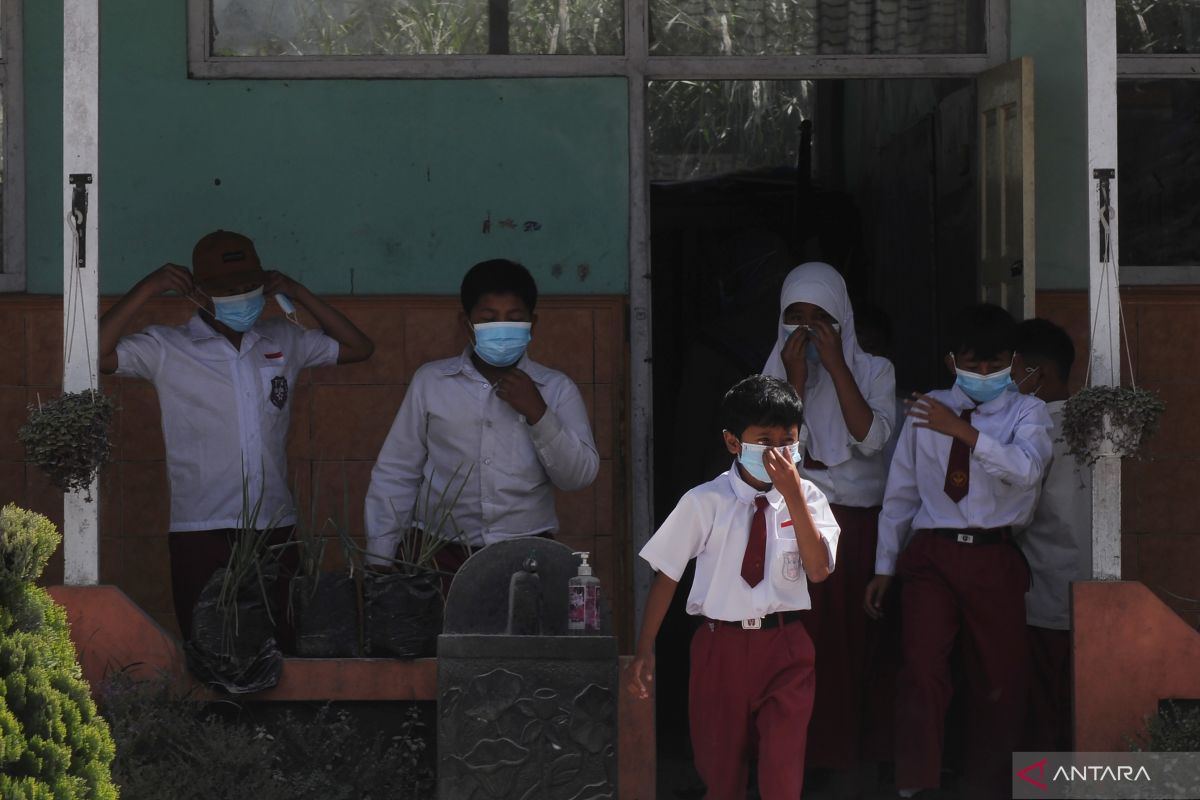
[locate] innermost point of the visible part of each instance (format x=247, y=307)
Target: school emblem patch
x=279, y=391
x=791, y=566
x=958, y=478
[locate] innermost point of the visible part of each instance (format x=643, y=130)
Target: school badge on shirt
x=791, y=566
x=279, y=391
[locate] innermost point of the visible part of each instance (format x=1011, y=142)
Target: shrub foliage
x=53, y=744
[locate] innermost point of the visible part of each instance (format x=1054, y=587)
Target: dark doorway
x=749, y=179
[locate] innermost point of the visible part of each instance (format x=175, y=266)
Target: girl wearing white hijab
x=849, y=413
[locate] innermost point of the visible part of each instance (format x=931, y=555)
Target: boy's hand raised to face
x=516, y=388
x=929, y=413
x=169, y=278
x=782, y=470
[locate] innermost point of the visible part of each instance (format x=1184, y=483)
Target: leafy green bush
x=53, y=745
x=174, y=746
x=1175, y=729
x=68, y=438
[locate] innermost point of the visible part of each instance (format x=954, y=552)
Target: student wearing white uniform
x=1057, y=543
x=756, y=532
x=512, y=428
x=849, y=412
x=968, y=468
x=224, y=381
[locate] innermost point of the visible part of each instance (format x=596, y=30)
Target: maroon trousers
x=1048, y=725
x=196, y=555
x=841, y=632
x=750, y=691
x=973, y=595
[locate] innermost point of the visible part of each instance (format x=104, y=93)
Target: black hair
x=760, y=400
x=1042, y=339
x=984, y=330
x=497, y=276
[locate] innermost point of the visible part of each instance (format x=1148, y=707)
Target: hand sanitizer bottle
x=583, y=604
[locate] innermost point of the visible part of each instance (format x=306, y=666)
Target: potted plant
x=324, y=605
x=402, y=603
x=233, y=630
x=68, y=438
x=1101, y=421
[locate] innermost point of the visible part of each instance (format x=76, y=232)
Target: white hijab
x=820, y=284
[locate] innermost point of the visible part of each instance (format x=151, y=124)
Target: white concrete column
x=1103, y=283
x=81, y=156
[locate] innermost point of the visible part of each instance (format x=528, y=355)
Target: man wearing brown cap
x=224, y=381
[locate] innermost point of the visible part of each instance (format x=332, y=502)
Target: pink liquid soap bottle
x=583, y=601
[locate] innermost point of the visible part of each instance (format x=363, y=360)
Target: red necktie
x=958, y=466
x=756, y=545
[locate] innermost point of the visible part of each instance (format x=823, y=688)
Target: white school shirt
x=711, y=523
x=224, y=410
x=860, y=481
x=1058, y=542
x=1006, y=469
x=451, y=420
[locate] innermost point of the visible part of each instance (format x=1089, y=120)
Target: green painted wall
x=1052, y=31
x=368, y=187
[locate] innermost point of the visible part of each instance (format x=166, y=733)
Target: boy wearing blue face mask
x=967, y=469
x=757, y=532
x=224, y=381
x=512, y=428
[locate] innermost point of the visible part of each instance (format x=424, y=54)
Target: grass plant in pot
x=324, y=604
x=67, y=437
x=233, y=643
x=403, y=602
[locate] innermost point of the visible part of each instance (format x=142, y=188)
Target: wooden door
x=1007, y=275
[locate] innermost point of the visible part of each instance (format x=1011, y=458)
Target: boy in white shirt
x=224, y=381
x=490, y=428
x=756, y=531
x=1057, y=543
x=968, y=468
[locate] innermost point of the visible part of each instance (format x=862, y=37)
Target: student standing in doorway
x=849, y=410
x=967, y=469
x=1057, y=543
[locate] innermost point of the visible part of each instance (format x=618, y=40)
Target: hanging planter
x=68, y=438
x=1110, y=421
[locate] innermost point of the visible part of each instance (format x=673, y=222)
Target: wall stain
x=487, y=223
x=584, y=271
x=532, y=225
x=556, y=271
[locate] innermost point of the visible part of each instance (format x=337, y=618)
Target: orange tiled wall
x=1159, y=520
x=339, y=419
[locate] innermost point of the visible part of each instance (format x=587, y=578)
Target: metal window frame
x=1148, y=68
x=12, y=271
x=637, y=66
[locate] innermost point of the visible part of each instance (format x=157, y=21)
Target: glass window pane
x=817, y=27
x=415, y=27
x=1158, y=124
x=699, y=129
x=1158, y=26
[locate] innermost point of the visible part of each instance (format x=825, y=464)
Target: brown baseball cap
x=224, y=260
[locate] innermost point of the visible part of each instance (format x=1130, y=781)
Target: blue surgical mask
x=502, y=344
x=982, y=388
x=751, y=457
x=240, y=311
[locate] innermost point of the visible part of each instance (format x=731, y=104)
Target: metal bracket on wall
x=1104, y=177
x=79, y=209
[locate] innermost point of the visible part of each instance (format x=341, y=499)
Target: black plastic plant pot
x=326, y=616
x=234, y=649
x=403, y=614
